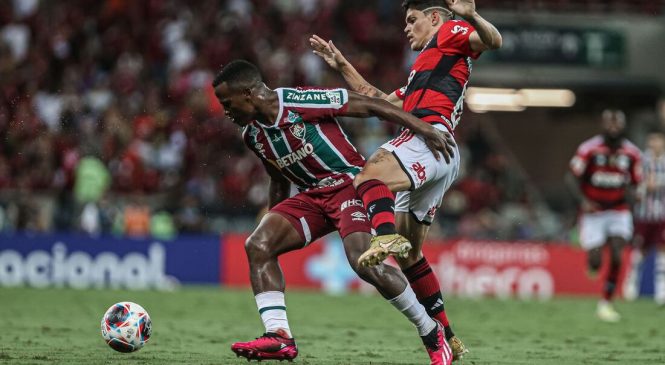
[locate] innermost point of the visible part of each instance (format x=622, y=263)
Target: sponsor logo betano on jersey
x=295, y=156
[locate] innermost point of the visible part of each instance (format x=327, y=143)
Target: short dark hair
x=423, y=4
x=238, y=73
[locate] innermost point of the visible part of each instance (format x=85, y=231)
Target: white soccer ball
x=126, y=327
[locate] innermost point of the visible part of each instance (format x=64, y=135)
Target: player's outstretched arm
x=573, y=184
x=279, y=186
x=486, y=36
x=364, y=106
x=335, y=59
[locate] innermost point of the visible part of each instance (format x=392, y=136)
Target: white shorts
x=596, y=227
x=430, y=179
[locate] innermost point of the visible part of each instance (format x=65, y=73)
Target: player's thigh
x=306, y=216
x=430, y=179
x=274, y=236
x=593, y=230
x=419, y=163
x=345, y=211
x=384, y=166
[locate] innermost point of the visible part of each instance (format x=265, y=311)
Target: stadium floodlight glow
x=483, y=99
x=554, y=98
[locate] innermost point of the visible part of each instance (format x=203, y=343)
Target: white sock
x=631, y=287
x=659, y=285
x=273, y=311
x=408, y=304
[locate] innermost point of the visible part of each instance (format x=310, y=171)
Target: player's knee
x=594, y=262
x=360, y=178
x=257, y=247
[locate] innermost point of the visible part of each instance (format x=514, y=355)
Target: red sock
x=380, y=204
x=427, y=289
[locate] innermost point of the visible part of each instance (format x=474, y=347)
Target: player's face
x=237, y=104
x=418, y=28
x=614, y=123
x=656, y=143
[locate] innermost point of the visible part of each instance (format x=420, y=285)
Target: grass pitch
x=197, y=326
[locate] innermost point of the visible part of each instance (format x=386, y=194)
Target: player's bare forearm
x=279, y=186
x=278, y=191
x=359, y=84
x=363, y=106
x=573, y=183
x=335, y=59
x=440, y=143
x=489, y=35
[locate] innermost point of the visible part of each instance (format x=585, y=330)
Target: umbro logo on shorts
x=358, y=216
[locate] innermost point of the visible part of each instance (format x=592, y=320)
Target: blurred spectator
x=137, y=219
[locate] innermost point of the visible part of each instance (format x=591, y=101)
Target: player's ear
x=436, y=18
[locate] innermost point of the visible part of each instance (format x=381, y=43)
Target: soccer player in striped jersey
x=649, y=215
x=294, y=133
x=434, y=92
x=605, y=170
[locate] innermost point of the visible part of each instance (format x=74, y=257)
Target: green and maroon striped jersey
x=305, y=142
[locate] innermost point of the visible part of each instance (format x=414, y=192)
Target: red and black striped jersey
x=438, y=78
x=306, y=143
x=605, y=174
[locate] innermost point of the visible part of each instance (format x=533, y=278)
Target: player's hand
x=328, y=52
x=589, y=206
x=439, y=142
x=463, y=8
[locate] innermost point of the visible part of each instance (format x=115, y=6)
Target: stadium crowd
x=108, y=122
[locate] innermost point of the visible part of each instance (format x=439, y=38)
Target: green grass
x=197, y=326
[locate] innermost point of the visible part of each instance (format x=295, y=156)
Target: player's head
x=656, y=142
x=423, y=20
x=614, y=126
x=236, y=88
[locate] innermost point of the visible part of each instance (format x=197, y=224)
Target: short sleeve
x=579, y=162
x=453, y=38
x=401, y=92
x=313, y=104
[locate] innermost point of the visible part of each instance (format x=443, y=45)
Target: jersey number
x=459, y=29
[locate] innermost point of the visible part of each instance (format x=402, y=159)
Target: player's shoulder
x=313, y=98
x=456, y=26
x=631, y=148
x=251, y=130
x=592, y=143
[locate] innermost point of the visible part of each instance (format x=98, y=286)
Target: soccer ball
x=126, y=327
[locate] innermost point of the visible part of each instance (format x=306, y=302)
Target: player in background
x=434, y=93
x=605, y=169
x=649, y=216
x=294, y=133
